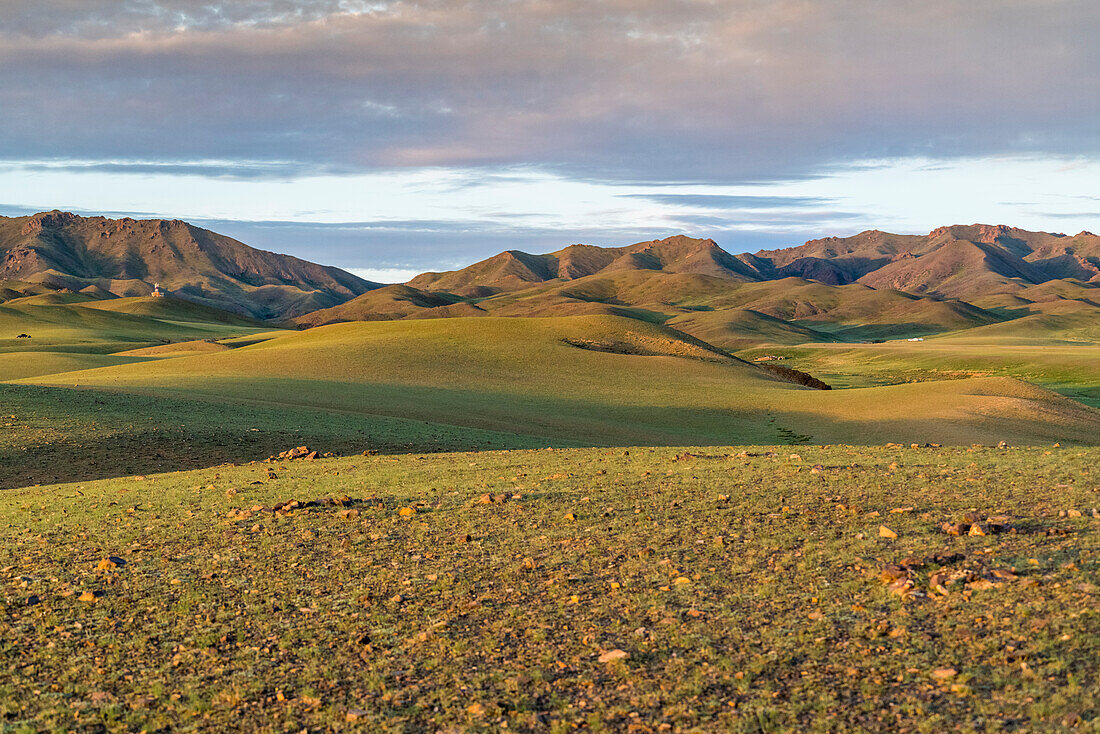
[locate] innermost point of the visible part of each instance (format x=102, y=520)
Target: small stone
x=87, y=596
x=613, y=655
x=944, y=673
x=901, y=587
x=1002, y=444
x=355, y=714
x=406, y=512
x=475, y=709
x=1073, y=513
x=570, y=516
x=110, y=563
x=885, y=532
x=485, y=499
x=977, y=529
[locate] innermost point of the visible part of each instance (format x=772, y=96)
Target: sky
x=391, y=138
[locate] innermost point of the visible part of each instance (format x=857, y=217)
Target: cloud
x=386, y=275
x=724, y=201
x=632, y=90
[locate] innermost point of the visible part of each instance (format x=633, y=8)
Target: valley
x=552, y=494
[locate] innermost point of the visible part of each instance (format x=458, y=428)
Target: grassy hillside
x=1067, y=368
x=630, y=590
x=60, y=434
x=726, y=312
x=600, y=380
x=70, y=322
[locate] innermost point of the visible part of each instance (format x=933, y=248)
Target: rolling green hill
x=602, y=380
x=76, y=323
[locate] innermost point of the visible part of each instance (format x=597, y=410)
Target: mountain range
x=872, y=285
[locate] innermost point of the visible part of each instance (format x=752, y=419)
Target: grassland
x=66, y=323
x=750, y=590
x=1070, y=369
x=445, y=576
x=599, y=380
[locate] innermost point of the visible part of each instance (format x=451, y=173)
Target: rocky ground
x=636, y=590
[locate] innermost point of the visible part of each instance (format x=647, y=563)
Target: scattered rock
x=612, y=655
x=87, y=596
x=885, y=532
x=300, y=452
x=944, y=673
x=406, y=512
x=977, y=529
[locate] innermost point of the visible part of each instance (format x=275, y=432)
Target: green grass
x=50, y=434
x=526, y=376
x=1070, y=369
x=760, y=612
x=75, y=324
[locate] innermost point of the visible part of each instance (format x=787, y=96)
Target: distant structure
x=917, y=339
x=157, y=292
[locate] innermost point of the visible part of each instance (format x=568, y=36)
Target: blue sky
x=396, y=137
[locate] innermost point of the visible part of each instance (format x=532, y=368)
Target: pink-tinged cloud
x=629, y=89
